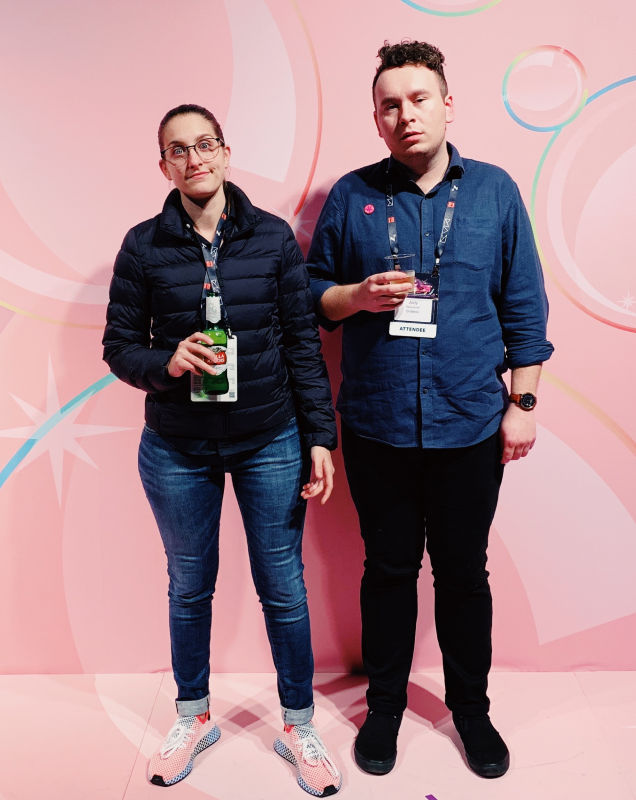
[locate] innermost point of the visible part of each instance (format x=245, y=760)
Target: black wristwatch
x=526, y=401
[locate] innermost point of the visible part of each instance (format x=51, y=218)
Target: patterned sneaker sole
x=208, y=740
x=284, y=751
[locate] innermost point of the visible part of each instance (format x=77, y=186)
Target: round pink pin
x=369, y=209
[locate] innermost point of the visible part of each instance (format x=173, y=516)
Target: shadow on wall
x=332, y=547
x=307, y=218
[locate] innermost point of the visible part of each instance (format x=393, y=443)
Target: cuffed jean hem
x=190, y=708
x=297, y=716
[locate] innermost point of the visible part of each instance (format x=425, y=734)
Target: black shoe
x=375, y=749
x=486, y=751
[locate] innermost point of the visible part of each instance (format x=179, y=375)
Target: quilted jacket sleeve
x=301, y=344
x=127, y=342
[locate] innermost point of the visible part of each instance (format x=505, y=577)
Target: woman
x=267, y=430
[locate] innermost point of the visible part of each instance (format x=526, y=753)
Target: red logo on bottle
x=218, y=355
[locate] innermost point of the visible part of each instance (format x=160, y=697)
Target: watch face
x=528, y=401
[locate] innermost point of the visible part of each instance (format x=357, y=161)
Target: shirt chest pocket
x=477, y=242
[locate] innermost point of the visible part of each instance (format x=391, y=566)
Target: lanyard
x=211, y=257
x=446, y=222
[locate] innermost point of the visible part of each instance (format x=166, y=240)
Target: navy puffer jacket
x=155, y=300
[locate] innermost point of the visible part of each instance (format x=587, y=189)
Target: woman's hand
x=322, y=470
x=191, y=356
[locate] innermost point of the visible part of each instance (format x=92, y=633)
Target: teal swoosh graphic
x=50, y=423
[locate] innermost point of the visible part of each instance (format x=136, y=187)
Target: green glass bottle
x=216, y=329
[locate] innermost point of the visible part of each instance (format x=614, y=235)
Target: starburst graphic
x=54, y=432
x=628, y=301
x=302, y=223
x=287, y=213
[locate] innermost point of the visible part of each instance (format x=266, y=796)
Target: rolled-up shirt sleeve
x=523, y=309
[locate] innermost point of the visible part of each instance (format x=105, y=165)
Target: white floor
x=572, y=736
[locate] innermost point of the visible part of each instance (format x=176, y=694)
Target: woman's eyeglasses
x=207, y=149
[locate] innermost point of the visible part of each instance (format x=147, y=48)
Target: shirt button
x=427, y=234
x=424, y=391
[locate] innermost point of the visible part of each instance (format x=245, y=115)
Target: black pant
x=446, y=499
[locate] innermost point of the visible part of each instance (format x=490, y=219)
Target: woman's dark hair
x=189, y=108
x=420, y=54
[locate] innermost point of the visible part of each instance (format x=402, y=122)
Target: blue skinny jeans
x=185, y=493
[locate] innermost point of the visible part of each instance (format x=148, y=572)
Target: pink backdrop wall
x=545, y=89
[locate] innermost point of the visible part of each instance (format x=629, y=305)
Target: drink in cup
x=403, y=262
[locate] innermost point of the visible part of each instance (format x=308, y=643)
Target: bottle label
x=218, y=358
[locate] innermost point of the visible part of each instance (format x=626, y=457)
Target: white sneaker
x=187, y=738
x=303, y=747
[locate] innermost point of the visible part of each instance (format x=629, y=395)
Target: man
x=427, y=423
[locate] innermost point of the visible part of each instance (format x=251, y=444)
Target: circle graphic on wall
x=584, y=205
x=95, y=171
x=544, y=88
x=452, y=8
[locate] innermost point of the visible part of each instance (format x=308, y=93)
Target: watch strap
x=516, y=399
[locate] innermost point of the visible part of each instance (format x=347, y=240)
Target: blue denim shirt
x=447, y=391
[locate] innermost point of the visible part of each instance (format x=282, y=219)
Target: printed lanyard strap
x=446, y=222
x=211, y=257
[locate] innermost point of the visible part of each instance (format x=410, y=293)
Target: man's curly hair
x=420, y=54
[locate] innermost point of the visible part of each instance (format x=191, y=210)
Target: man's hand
x=383, y=291
x=518, y=433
